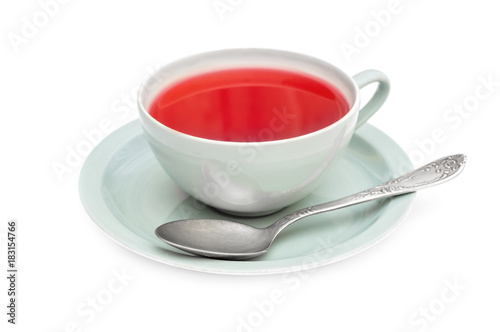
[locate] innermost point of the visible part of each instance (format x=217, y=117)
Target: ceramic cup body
x=255, y=178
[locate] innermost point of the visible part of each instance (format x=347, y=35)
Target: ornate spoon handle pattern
x=436, y=172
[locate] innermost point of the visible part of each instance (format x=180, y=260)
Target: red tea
x=249, y=105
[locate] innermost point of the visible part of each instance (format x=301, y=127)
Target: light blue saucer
x=128, y=195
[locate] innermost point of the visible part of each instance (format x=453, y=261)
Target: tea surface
x=249, y=105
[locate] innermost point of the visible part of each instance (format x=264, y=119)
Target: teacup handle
x=363, y=79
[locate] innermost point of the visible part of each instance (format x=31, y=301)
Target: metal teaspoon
x=226, y=239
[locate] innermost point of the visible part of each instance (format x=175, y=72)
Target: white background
x=66, y=77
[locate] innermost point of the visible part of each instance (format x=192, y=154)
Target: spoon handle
x=434, y=173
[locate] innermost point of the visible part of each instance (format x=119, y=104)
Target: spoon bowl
x=226, y=239
x=212, y=237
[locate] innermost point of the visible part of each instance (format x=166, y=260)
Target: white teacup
x=259, y=177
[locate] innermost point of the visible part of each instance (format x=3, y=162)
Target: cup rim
x=193, y=138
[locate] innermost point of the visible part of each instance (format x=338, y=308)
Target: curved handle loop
x=363, y=79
